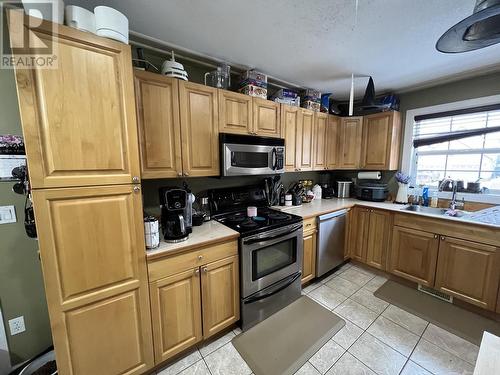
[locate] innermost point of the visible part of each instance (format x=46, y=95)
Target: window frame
x=408, y=164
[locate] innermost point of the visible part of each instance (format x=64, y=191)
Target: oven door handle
x=278, y=287
x=265, y=239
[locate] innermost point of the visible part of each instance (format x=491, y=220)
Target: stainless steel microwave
x=251, y=155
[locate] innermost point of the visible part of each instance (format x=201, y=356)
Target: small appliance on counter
x=151, y=232
x=372, y=191
x=327, y=191
x=176, y=214
x=344, y=189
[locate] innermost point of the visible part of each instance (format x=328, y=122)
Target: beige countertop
x=324, y=206
x=210, y=232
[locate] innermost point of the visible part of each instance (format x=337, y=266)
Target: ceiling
x=314, y=43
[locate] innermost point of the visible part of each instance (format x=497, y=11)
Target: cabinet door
x=381, y=141
x=92, y=250
x=414, y=255
x=199, y=129
x=332, y=142
x=309, y=260
x=350, y=142
x=266, y=118
x=358, y=233
x=235, y=113
x=157, y=100
x=320, y=141
x=176, y=313
x=290, y=120
x=79, y=120
x=305, y=140
x=220, y=295
x=379, y=233
x=469, y=271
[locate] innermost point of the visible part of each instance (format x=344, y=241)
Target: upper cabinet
x=290, y=118
x=304, y=143
x=243, y=114
x=266, y=118
x=158, y=121
x=199, y=129
x=350, y=142
x=79, y=120
x=381, y=141
x=235, y=113
x=332, y=141
x=320, y=141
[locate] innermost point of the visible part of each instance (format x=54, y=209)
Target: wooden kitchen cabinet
x=266, y=118
x=469, y=271
x=199, y=115
x=157, y=100
x=220, y=295
x=414, y=255
x=358, y=232
x=381, y=141
x=351, y=129
x=304, y=146
x=320, y=141
x=290, y=119
x=79, y=120
x=176, y=313
x=309, y=253
x=379, y=233
x=194, y=295
x=332, y=142
x=369, y=234
x=235, y=113
x=92, y=251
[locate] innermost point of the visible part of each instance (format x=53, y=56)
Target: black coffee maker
x=173, y=203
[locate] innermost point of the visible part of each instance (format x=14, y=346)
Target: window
x=468, y=159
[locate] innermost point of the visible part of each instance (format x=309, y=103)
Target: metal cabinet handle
x=186, y=174
x=371, y=210
x=197, y=271
x=443, y=238
x=436, y=236
x=135, y=179
x=205, y=269
x=179, y=174
x=137, y=189
x=200, y=257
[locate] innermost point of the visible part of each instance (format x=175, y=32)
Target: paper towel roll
x=369, y=175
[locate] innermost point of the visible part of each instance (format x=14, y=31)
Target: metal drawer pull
x=200, y=257
x=137, y=189
x=197, y=271
x=436, y=236
x=443, y=238
x=205, y=269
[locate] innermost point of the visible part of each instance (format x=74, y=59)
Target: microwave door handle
x=264, y=239
x=274, y=158
x=276, y=289
x=232, y=158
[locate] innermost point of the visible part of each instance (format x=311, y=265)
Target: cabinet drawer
x=168, y=266
x=309, y=224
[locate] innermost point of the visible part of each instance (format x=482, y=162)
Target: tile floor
x=378, y=338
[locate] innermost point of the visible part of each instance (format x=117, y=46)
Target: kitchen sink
x=431, y=210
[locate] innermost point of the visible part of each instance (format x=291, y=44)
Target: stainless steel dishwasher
x=331, y=241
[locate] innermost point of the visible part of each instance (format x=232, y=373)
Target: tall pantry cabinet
x=79, y=126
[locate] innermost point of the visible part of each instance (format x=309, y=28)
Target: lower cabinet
x=369, y=236
x=196, y=303
x=468, y=271
x=176, y=313
x=309, y=260
x=414, y=255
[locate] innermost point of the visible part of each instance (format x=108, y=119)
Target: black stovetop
x=266, y=219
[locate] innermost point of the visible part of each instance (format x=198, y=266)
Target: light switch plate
x=7, y=214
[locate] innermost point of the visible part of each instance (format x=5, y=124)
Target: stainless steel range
x=270, y=247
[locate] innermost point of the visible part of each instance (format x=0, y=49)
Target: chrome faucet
x=453, y=202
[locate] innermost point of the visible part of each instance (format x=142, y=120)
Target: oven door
x=244, y=159
x=270, y=257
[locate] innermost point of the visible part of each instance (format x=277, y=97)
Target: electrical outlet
x=16, y=325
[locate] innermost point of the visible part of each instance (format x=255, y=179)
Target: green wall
x=21, y=284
